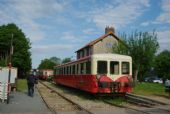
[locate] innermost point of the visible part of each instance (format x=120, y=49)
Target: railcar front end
x=113, y=73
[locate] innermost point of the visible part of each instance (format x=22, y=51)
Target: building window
x=78, y=55
x=87, y=51
x=82, y=53
x=114, y=67
x=101, y=67
x=125, y=68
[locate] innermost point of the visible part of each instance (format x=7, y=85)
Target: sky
x=60, y=27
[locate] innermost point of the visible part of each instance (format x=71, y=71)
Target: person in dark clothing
x=30, y=83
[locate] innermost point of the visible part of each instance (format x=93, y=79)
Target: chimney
x=109, y=29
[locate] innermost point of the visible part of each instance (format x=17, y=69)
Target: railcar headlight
x=98, y=76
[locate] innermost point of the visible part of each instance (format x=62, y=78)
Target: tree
x=21, y=57
x=56, y=60
x=162, y=64
x=141, y=46
x=65, y=60
x=46, y=64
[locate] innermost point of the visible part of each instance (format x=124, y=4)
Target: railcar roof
x=101, y=56
x=111, y=56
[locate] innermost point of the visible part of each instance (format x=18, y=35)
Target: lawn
x=149, y=89
x=21, y=84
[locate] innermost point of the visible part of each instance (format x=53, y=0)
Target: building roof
x=99, y=39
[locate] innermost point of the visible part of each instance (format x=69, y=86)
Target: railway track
x=88, y=106
x=61, y=103
x=143, y=105
x=142, y=101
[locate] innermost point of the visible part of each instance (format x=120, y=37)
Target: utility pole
x=10, y=66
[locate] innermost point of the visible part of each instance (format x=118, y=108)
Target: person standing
x=30, y=83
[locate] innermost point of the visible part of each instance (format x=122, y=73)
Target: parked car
x=167, y=85
x=154, y=80
x=158, y=80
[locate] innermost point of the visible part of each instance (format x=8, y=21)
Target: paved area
x=21, y=103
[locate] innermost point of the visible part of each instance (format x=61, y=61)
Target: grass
x=119, y=101
x=149, y=89
x=21, y=84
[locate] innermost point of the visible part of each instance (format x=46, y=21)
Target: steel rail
x=140, y=100
x=67, y=99
x=126, y=107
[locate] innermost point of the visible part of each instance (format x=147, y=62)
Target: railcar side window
x=114, y=67
x=125, y=67
x=88, y=67
x=69, y=70
x=60, y=70
x=101, y=67
x=77, y=68
x=63, y=70
x=82, y=68
x=73, y=69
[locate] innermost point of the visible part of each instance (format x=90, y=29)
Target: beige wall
x=105, y=45
x=48, y=72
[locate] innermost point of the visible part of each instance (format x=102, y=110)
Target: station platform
x=21, y=103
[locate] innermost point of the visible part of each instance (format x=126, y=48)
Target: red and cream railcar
x=98, y=73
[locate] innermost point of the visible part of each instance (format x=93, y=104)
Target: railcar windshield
x=101, y=67
x=114, y=67
x=125, y=68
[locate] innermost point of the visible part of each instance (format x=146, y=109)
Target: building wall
x=105, y=45
x=48, y=72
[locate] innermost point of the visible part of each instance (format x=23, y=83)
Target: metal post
x=10, y=65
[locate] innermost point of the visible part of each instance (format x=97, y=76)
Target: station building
x=103, y=44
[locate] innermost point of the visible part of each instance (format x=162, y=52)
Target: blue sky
x=60, y=27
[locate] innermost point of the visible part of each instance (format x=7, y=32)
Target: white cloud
x=70, y=37
x=40, y=52
x=164, y=17
x=36, y=8
x=25, y=14
x=164, y=39
x=125, y=12
x=44, y=49
x=90, y=31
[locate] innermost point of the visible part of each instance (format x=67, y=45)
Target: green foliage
x=56, y=60
x=66, y=60
x=46, y=64
x=141, y=46
x=3, y=62
x=21, y=57
x=162, y=64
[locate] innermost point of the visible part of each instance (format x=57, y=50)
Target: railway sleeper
x=139, y=103
x=140, y=100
